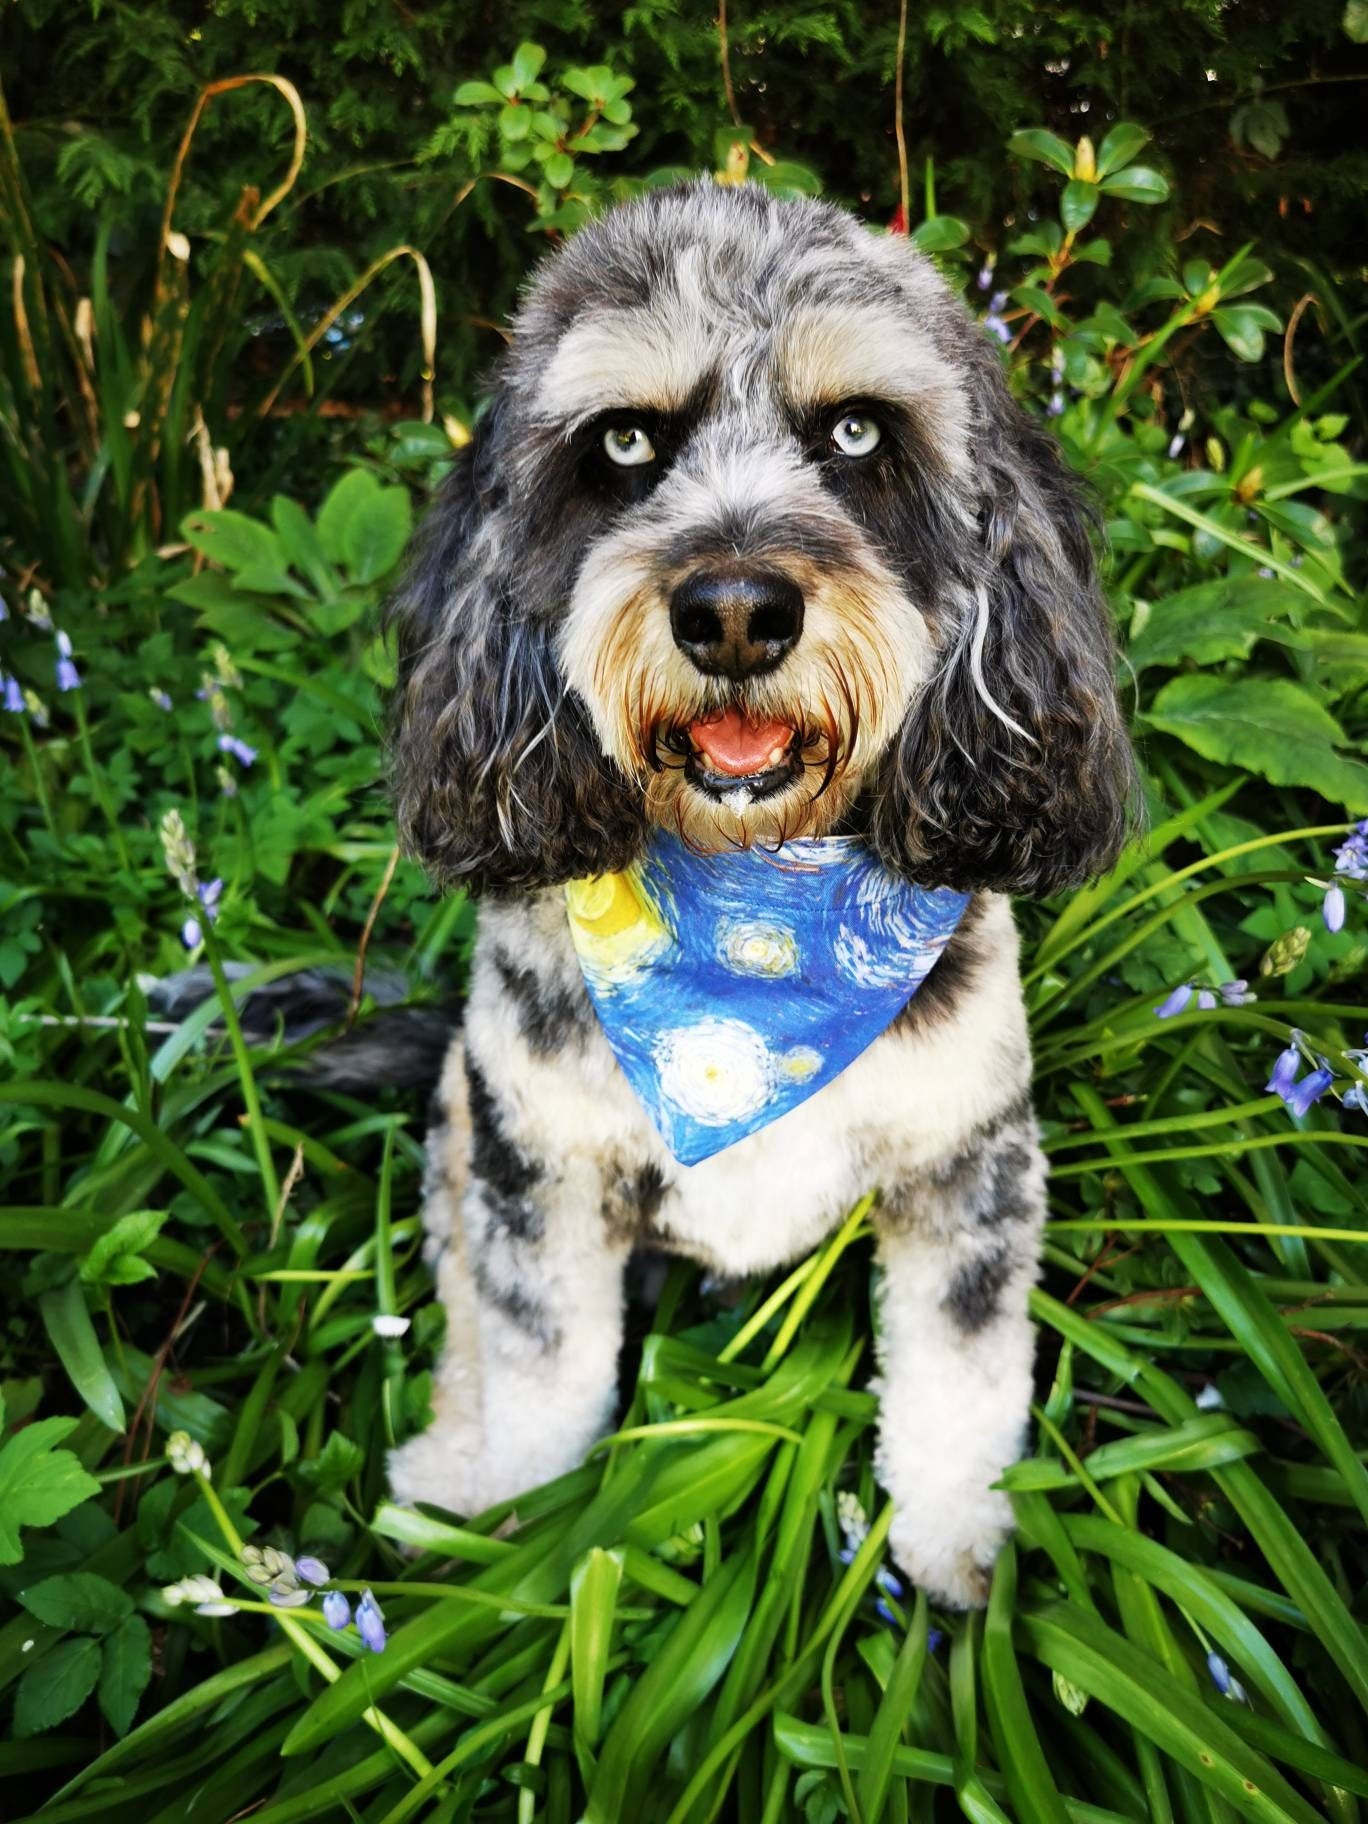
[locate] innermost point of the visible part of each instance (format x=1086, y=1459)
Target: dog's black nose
x=736, y=625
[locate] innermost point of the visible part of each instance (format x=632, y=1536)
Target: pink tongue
x=734, y=745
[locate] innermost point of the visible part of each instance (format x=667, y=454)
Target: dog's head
x=753, y=543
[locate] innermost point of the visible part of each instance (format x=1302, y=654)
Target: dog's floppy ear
x=498, y=781
x=1013, y=770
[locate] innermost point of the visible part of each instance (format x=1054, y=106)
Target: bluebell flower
x=14, y=697
x=286, y=1595
x=985, y=278
x=934, y=1637
x=1237, y=994
x=889, y=1581
x=209, y=893
x=1175, y=1002
x=68, y=678
x=994, y=322
x=370, y=1622
x=884, y=1613
x=1056, y=404
x=1206, y=1000
x=1356, y=1096
x=4, y=609
x=1332, y=907
x=230, y=744
x=1220, y=1673
x=191, y=934
x=159, y=697
x=1175, y=448
x=1284, y=1073
x=1311, y=1088
x=312, y=1570
x=336, y=1610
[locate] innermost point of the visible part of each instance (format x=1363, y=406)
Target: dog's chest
x=906, y=1102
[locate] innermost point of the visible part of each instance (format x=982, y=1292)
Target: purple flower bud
x=63, y=643
x=4, y=609
x=336, y=1610
x=160, y=698
x=997, y=303
x=1220, y=1673
x=1175, y=448
x=985, y=277
x=285, y=1595
x=884, y=1613
x=312, y=1570
x=996, y=327
x=14, y=697
x=934, y=1637
x=370, y=1622
x=1332, y=908
x=191, y=934
x=1175, y=1002
x=1356, y=1096
x=68, y=678
x=229, y=744
x=1284, y=1073
x=1206, y=1000
x=1236, y=994
x=846, y=1554
x=1056, y=405
x=1311, y=1088
x=887, y=1581
x=209, y=893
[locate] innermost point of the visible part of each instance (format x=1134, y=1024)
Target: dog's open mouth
x=727, y=751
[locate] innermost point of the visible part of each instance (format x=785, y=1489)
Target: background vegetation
x=254, y=258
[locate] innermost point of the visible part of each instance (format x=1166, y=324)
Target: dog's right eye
x=628, y=446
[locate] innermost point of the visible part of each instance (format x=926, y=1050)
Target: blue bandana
x=733, y=987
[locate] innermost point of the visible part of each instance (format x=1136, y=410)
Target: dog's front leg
x=958, y=1249
x=532, y=1285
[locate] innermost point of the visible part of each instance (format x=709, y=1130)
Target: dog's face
x=754, y=544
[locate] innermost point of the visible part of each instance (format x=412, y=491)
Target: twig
x=724, y=46
x=359, y=973
x=1289, y=337
x=904, y=187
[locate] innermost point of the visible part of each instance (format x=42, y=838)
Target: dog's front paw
x=428, y=1468
x=948, y=1549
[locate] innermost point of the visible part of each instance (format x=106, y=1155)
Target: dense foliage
x=218, y=1318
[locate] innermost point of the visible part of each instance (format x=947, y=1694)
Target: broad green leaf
x=78, y=1601
x=127, y=1237
x=474, y=94
x=233, y=540
x=38, y=1484
x=593, y=1608
x=1269, y=726
x=940, y=233
x=527, y=64
x=1078, y=204
x=125, y=1671
x=1137, y=184
x=1019, y=1752
x=885, y=1732
x=1242, y=328
x=1211, y=621
x=56, y=1686
x=1120, y=147
x=66, y=1318
x=1048, y=148
x=343, y=499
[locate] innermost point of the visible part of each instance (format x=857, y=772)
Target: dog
x=751, y=548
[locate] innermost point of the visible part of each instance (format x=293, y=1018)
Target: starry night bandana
x=733, y=987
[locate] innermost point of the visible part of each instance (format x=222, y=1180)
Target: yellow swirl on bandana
x=615, y=927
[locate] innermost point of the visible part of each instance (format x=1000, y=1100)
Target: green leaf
x=66, y=1318
x=111, y=1256
x=1241, y=327
x=38, y=1484
x=559, y=169
x=475, y=94
x=1048, y=148
x=125, y=1672
x=1020, y=1755
x=1355, y=21
x=79, y=1601
x=1212, y=621
x=527, y=63
x=1137, y=184
x=940, y=233
x=593, y=1611
x=1269, y=726
x=335, y=1465
x=56, y=1686
x=1120, y=147
x=1078, y=204
x=515, y=122
x=233, y=540
x=364, y=526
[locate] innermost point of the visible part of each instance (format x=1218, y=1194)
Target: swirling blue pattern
x=733, y=987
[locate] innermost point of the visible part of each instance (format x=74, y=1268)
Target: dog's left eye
x=628, y=446
x=856, y=434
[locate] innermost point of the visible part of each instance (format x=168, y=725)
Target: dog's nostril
x=736, y=625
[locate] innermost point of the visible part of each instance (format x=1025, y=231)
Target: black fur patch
x=976, y=1290
x=631, y=1201
x=521, y=1309
x=549, y=1015
x=505, y=1173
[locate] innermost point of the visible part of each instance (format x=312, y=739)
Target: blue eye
x=856, y=434
x=628, y=446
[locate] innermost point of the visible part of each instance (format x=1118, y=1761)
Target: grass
x=673, y=1632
